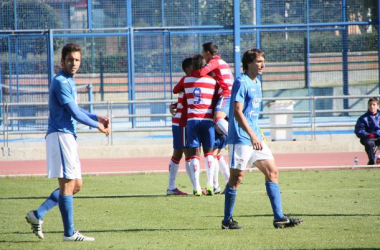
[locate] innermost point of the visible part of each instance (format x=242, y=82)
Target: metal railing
x=310, y=116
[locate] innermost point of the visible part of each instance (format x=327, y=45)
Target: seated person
x=368, y=130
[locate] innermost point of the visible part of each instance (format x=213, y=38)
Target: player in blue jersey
x=61, y=146
x=245, y=143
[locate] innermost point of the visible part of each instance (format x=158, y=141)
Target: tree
x=31, y=15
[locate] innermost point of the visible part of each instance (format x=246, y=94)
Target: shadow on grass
x=308, y=215
x=99, y=196
x=17, y=241
x=298, y=215
x=110, y=231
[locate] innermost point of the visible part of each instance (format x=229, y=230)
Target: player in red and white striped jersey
x=200, y=92
x=221, y=72
x=179, y=120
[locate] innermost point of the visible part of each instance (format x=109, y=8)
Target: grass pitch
x=340, y=209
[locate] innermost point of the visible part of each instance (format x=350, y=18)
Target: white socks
x=195, y=167
x=173, y=170
x=210, y=169
x=223, y=167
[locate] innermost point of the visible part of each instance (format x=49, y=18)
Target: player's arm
x=360, y=129
x=173, y=108
x=178, y=88
x=210, y=66
x=82, y=117
x=92, y=116
x=102, y=119
x=240, y=118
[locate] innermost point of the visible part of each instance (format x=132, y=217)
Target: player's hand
x=370, y=136
x=104, y=120
x=172, y=109
x=256, y=143
x=103, y=129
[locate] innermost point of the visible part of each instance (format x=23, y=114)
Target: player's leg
x=239, y=156
x=65, y=204
x=48, y=204
x=189, y=171
x=264, y=161
x=216, y=172
x=70, y=181
x=195, y=167
x=223, y=167
x=35, y=218
x=173, y=170
x=221, y=112
x=178, y=142
x=193, y=142
x=207, y=136
x=369, y=145
x=222, y=164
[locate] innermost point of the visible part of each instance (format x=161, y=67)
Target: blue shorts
x=223, y=104
x=220, y=140
x=200, y=133
x=179, y=137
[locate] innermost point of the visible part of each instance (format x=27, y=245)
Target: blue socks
x=67, y=212
x=273, y=191
x=229, y=202
x=50, y=202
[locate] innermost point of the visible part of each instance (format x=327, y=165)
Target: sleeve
x=92, y=116
x=360, y=128
x=241, y=91
x=210, y=66
x=63, y=92
x=179, y=86
x=78, y=115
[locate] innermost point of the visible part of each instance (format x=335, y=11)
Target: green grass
x=340, y=209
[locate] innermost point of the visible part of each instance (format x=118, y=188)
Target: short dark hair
x=210, y=47
x=198, y=62
x=70, y=47
x=249, y=56
x=187, y=63
x=373, y=99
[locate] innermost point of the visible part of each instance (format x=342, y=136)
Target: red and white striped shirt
x=180, y=118
x=221, y=71
x=200, y=97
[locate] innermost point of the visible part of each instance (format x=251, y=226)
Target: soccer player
x=246, y=145
x=367, y=129
x=179, y=120
x=200, y=126
x=221, y=71
x=61, y=146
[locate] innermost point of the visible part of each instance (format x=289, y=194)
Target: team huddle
x=212, y=111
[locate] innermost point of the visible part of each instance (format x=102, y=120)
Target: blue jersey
x=62, y=91
x=247, y=92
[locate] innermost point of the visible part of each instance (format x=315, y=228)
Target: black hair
x=211, y=47
x=70, y=47
x=249, y=56
x=187, y=63
x=198, y=62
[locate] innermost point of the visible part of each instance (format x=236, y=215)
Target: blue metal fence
x=132, y=50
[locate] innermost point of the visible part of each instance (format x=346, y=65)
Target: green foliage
x=339, y=209
x=31, y=15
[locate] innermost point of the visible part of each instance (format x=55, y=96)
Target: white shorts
x=242, y=155
x=62, y=160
